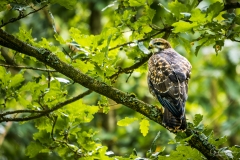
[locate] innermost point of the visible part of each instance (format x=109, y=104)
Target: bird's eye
x=157, y=43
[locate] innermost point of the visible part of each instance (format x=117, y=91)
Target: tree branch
x=152, y=112
x=20, y=111
x=26, y=67
x=131, y=68
x=21, y=16
x=40, y=112
x=167, y=31
x=231, y=6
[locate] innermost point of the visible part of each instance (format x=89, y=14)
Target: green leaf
x=217, y=142
x=126, y=121
x=187, y=152
x=142, y=48
x=197, y=119
x=25, y=35
x=85, y=140
x=33, y=149
x=218, y=45
x=203, y=42
x=44, y=43
x=128, y=14
x=84, y=40
x=165, y=9
x=229, y=17
x=237, y=20
x=149, y=2
x=43, y=124
x=60, y=39
x=63, y=151
x=198, y=16
x=181, y=137
x=191, y=4
x=144, y=127
x=1, y=57
x=153, y=145
x=183, y=26
x=4, y=77
x=16, y=80
x=226, y=153
x=136, y=3
x=83, y=66
x=54, y=94
x=146, y=29
x=176, y=8
x=186, y=44
x=213, y=10
x=104, y=104
x=236, y=151
x=4, y=5
x=84, y=112
x=183, y=152
x=150, y=13
x=100, y=154
x=207, y=131
x=42, y=136
x=107, y=46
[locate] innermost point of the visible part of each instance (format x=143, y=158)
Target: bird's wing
x=167, y=80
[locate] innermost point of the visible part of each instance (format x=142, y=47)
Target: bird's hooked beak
x=150, y=45
x=153, y=48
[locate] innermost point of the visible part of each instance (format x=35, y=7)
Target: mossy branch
x=197, y=141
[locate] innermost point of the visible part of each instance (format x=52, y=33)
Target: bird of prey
x=168, y=75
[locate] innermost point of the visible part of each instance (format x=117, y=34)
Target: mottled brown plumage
x=168, y=75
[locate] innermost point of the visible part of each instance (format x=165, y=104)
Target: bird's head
x=158, y=44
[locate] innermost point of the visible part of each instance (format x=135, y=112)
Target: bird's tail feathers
x=174, y=123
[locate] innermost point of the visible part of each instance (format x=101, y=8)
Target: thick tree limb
x=197, y=141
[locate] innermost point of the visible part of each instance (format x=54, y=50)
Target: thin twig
x=235, y=40
x=131, y=68
x=26, y=67
x=143, y=39
x=54, y=122
x=21, y=111
x=49, y=78
x=41, y=113
x=21, y=16
x=75, y=151
x=129, y=76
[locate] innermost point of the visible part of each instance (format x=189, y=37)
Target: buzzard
x=168, y=75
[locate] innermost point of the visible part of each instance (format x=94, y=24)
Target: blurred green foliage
x=83, y=34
